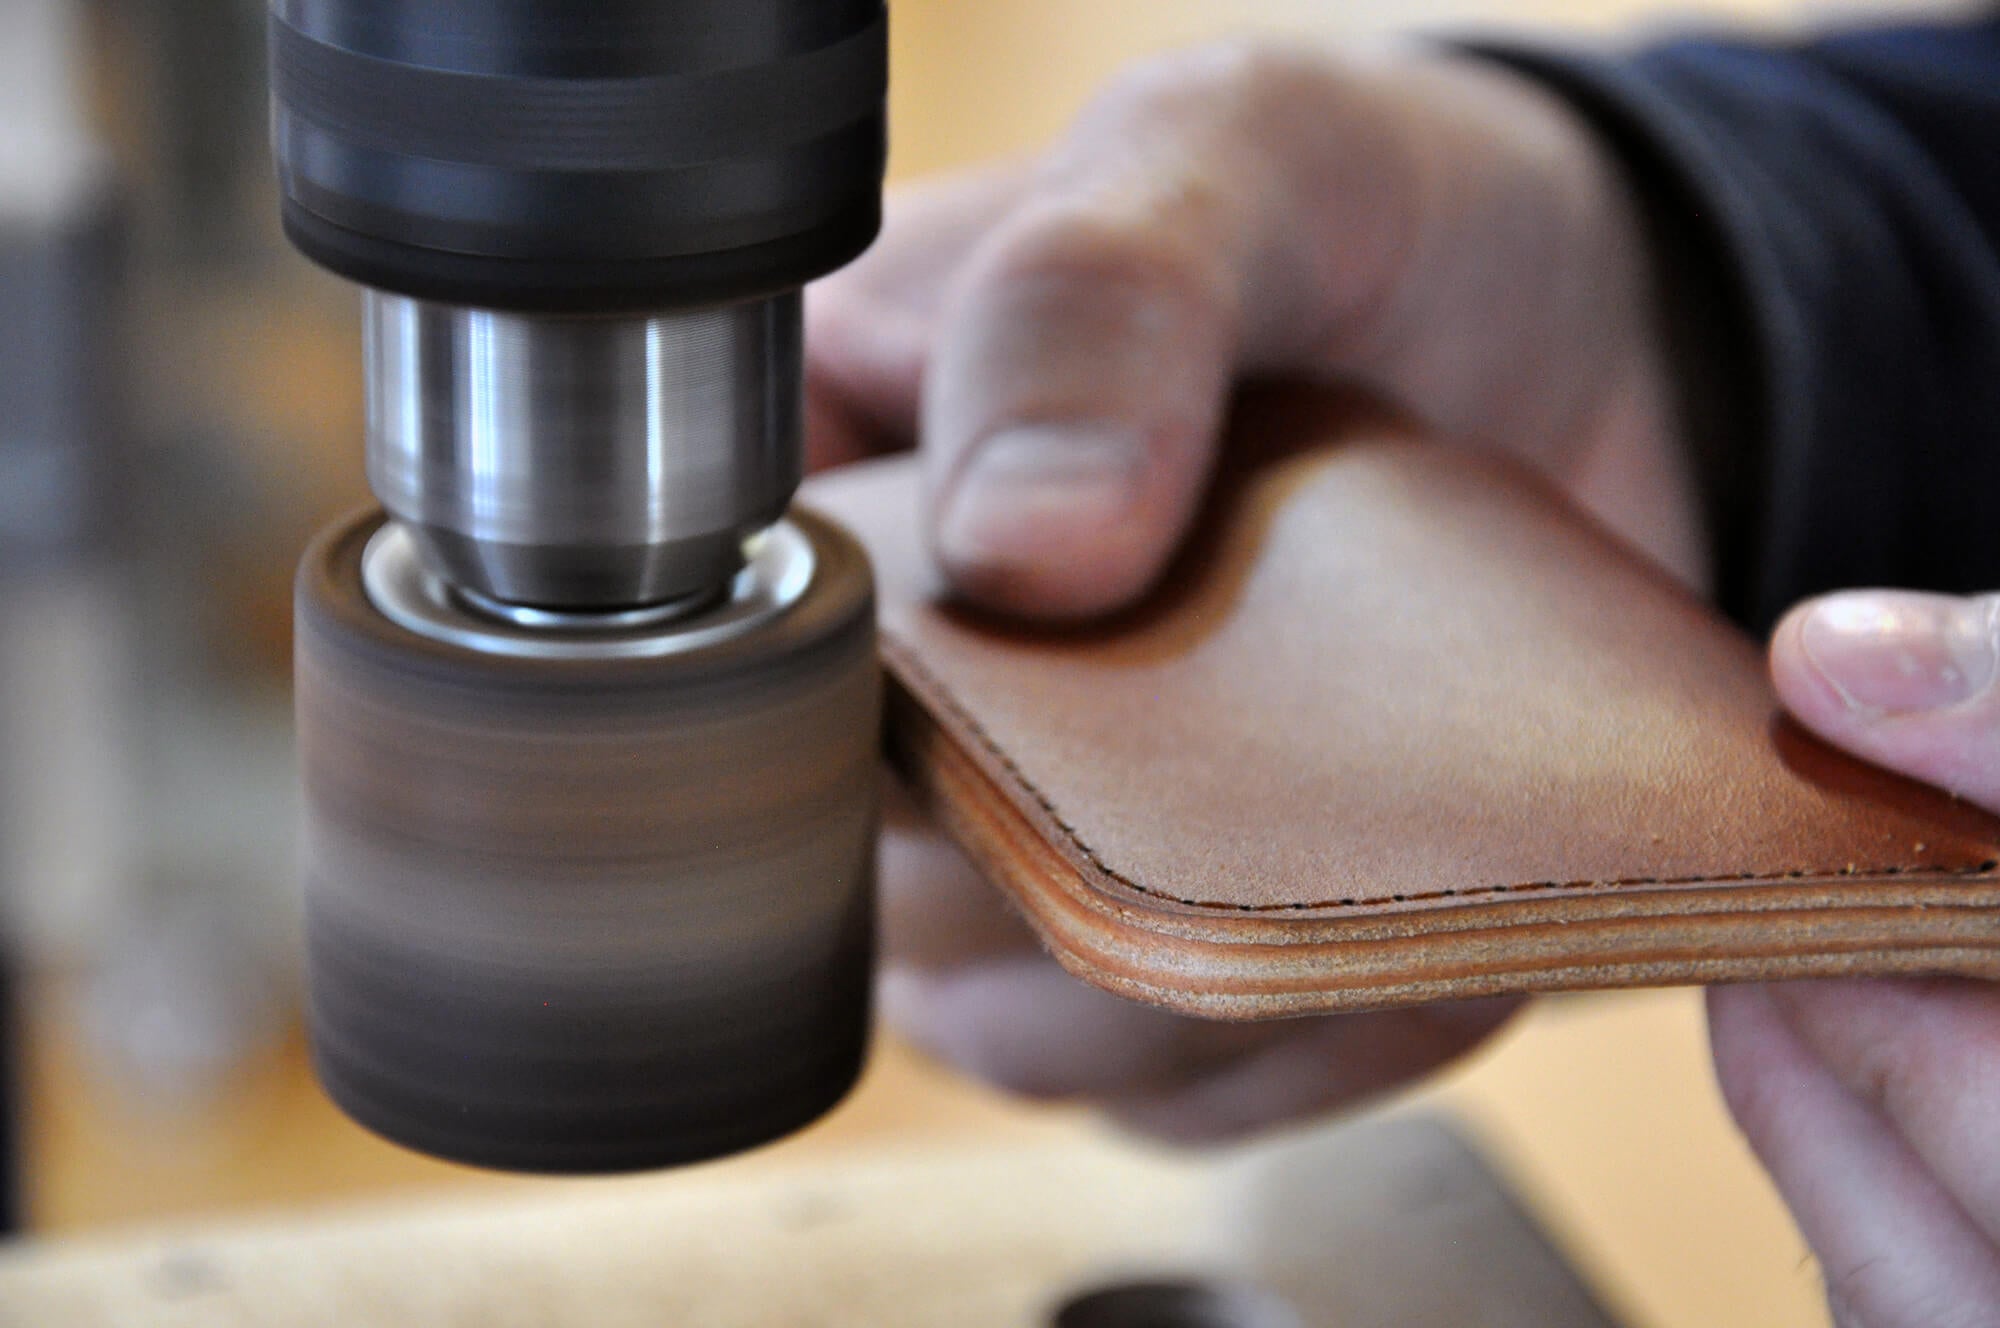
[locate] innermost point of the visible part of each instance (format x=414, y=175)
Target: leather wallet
x=1402, y=725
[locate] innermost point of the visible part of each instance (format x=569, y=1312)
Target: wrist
x=1707, y=365
x=1532, y=279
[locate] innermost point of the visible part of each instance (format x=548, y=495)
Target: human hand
x=1063, y=336
x=1876, y=1105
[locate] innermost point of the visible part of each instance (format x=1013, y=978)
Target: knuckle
x=1886, y=1079
x=1190, y=170
x=1897, y=1077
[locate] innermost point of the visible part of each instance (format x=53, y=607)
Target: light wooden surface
x=1602, y=1109
x=100, y=1156
x=1383, y=1224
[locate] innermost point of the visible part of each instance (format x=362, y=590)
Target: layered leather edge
x=1238, y=964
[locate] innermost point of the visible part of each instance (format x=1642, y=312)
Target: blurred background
x=180, y=407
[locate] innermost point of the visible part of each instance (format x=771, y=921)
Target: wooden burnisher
x=588, y=915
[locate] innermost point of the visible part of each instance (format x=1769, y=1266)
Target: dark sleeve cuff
x=1826, y=222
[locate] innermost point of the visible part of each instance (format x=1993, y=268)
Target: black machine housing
x=580, y=156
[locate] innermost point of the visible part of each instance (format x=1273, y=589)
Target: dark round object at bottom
x=1183, y=1304
x=588, y=915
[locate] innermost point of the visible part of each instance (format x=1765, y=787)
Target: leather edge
x=1213, y=964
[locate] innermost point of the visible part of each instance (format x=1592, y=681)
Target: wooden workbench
x=1600, y=1111
x=1382, y=1224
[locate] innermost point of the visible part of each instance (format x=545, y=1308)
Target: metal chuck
x=592, y=892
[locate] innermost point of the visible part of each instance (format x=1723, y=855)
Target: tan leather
x=1402, y=726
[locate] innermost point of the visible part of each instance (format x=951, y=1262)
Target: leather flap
x=1403, y=726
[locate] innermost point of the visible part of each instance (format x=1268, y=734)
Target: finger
x=1906, y=680
x=1896, y=1250
x=1925, y=1056
x=869, y=326
x=1024, y=1025
x=1077, y=387
x=1321, y=1066
x=937, y=910
x=1251, y=210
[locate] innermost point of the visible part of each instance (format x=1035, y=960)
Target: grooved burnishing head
x=588, y=915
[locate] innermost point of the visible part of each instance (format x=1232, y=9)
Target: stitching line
x=905, y=658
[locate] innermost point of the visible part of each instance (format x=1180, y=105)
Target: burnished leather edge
x=1220, y=962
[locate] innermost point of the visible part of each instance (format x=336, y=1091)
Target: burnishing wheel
x=583, y=909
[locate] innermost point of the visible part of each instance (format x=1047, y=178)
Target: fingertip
x=1071, y=581
x=1073, y=405
x=1061, y=522
x=1803, y=687
x=1905, y=679
x=1876, y=653
x=1798, y=685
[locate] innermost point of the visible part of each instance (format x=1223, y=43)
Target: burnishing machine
x=588, y=718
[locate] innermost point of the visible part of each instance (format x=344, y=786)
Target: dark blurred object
x=200, y=82
x=60, y=265
x=60, y=463
x=143, y=822
x=58, y=471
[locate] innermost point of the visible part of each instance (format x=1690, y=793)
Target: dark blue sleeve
x=1828, y=217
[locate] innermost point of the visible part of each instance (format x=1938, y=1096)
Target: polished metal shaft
x=584, y=463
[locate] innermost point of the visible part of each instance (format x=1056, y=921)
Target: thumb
x=1447, y=236
x=1072, y=417
x=1909, y=681
x=1075, y=393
